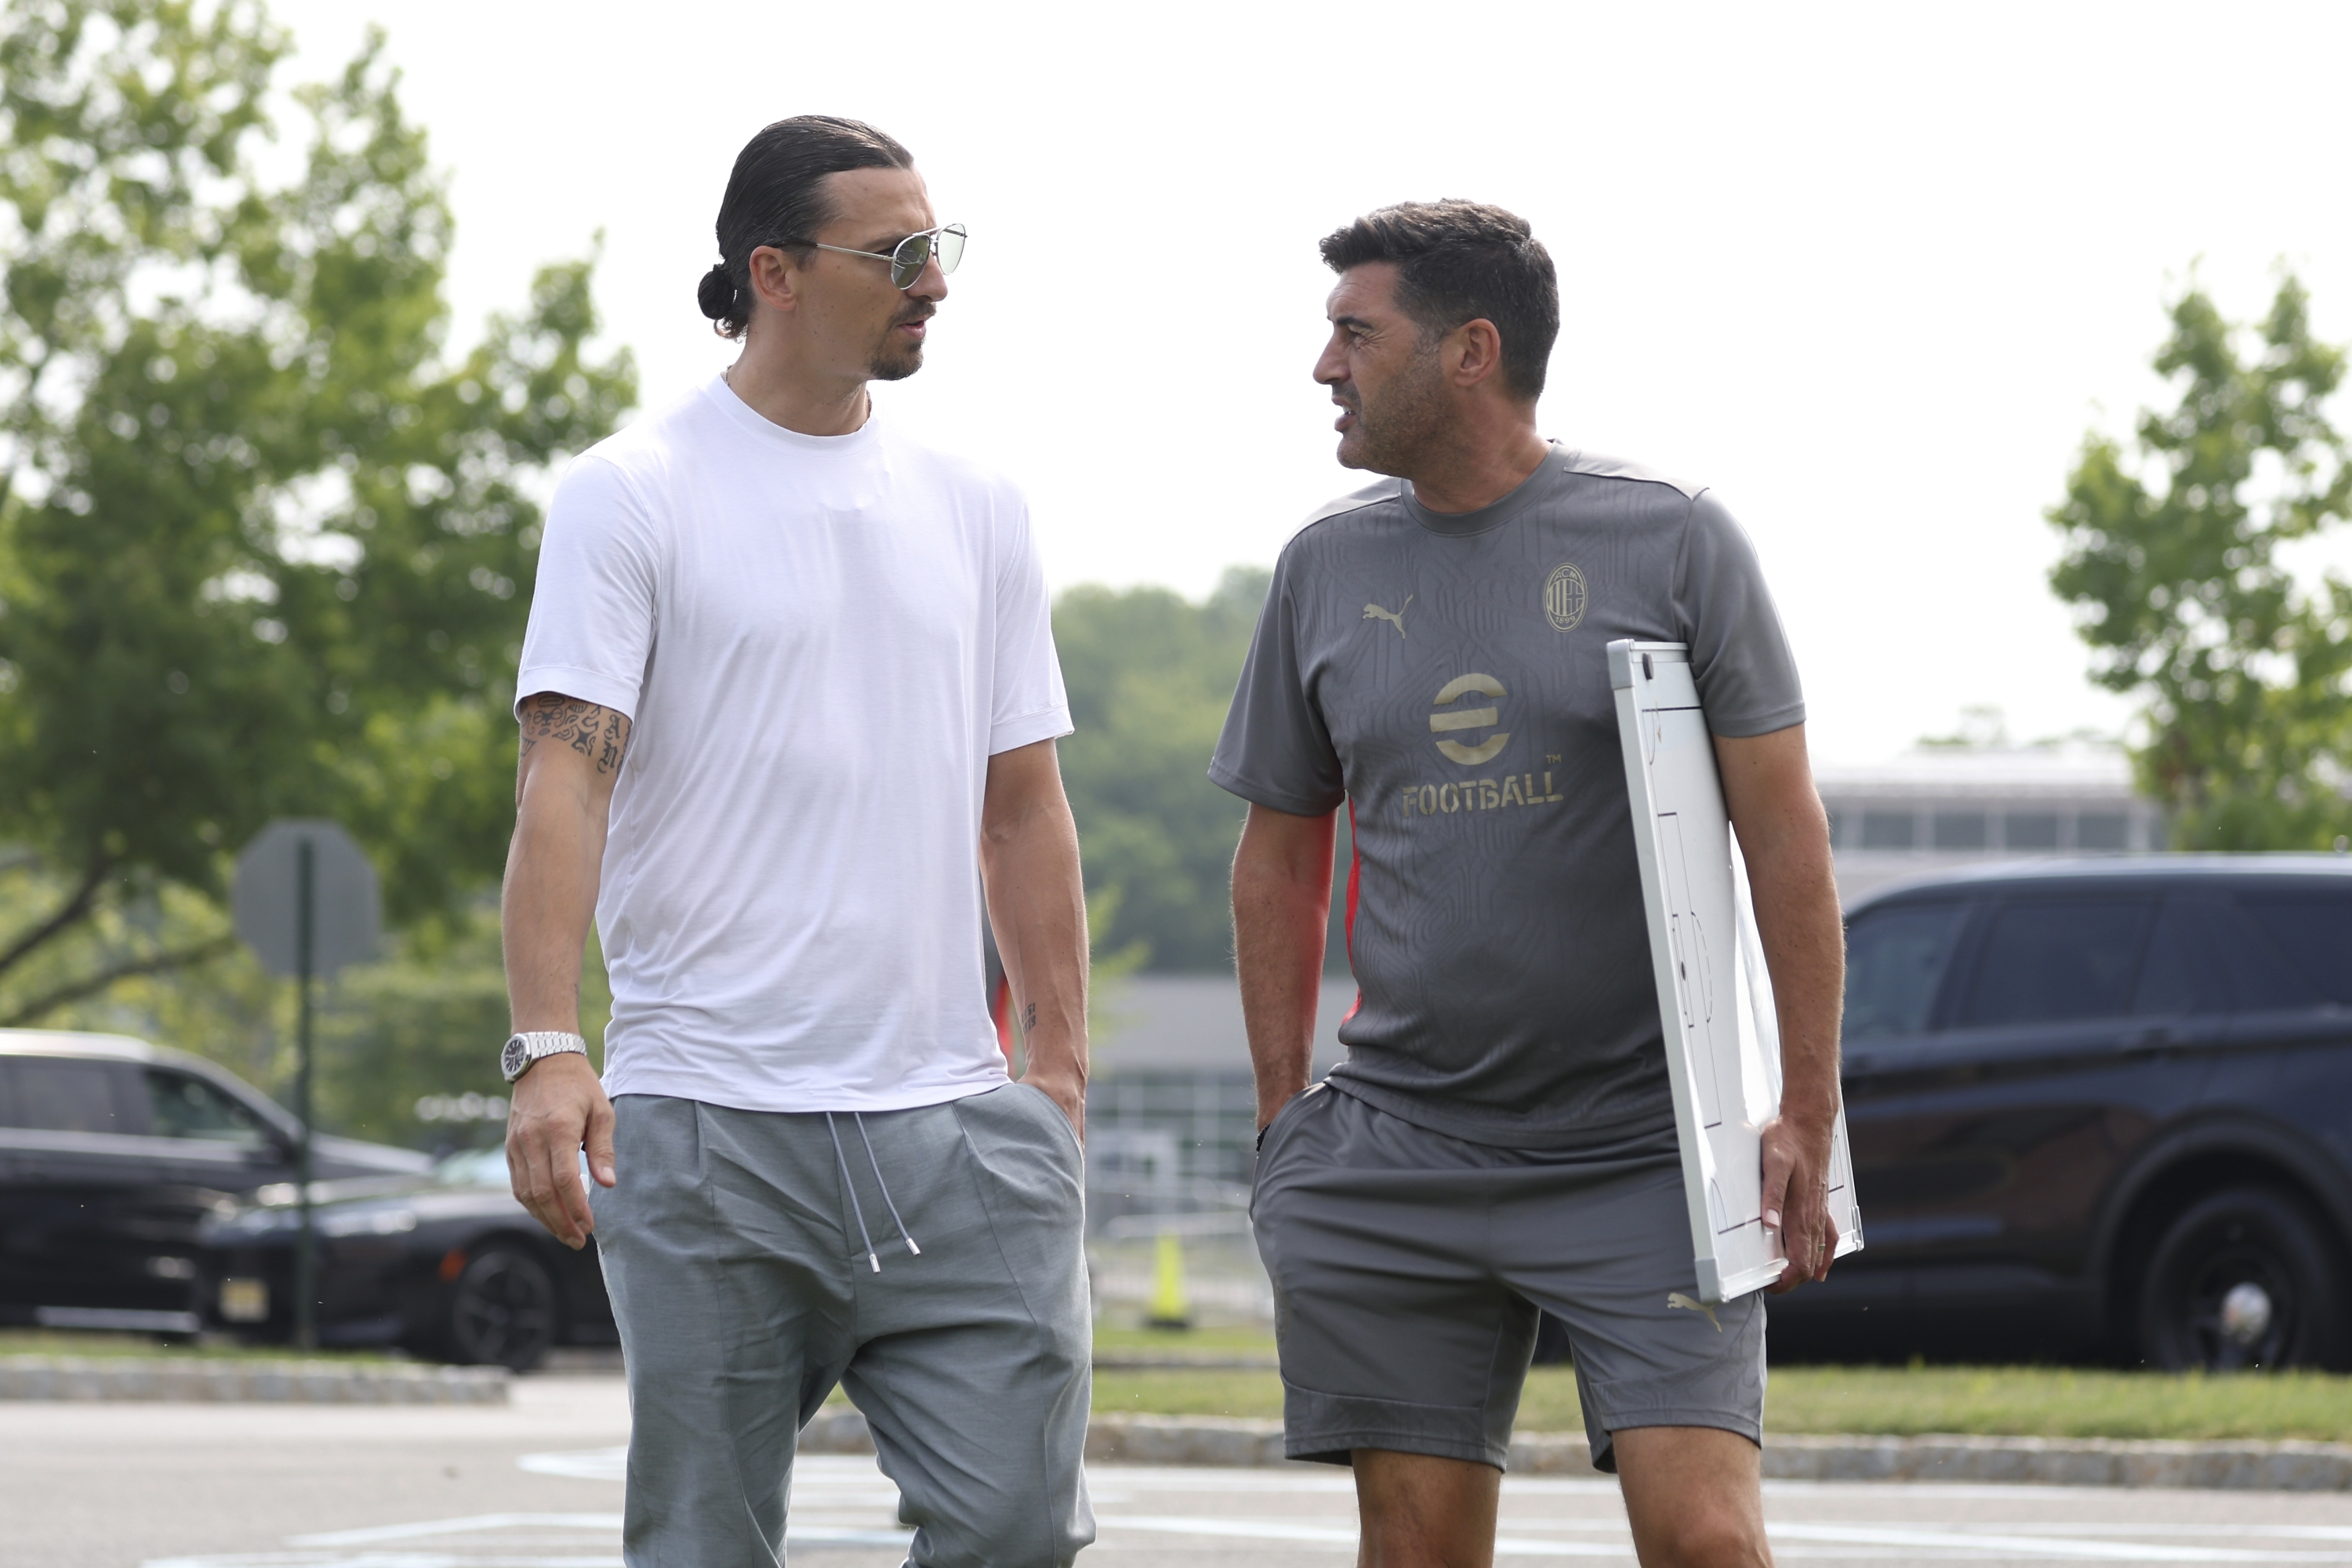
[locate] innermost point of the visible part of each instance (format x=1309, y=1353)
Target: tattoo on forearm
x=1029, y=1018
x=597, y=732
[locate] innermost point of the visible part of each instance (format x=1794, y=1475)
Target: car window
x=2315, y=932
x=1894, y=959
x=61, y=1096
x=2051, y=960
x=2259, y=976
x=185, y=1106
x=2182, y=973
x=474, y=1168
x=486, y=1168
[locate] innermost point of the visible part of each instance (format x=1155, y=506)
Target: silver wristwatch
x=521, y=1050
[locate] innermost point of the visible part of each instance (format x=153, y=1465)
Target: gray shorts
x=1408, y=1268
x=738, y=1269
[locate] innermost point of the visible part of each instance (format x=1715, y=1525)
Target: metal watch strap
x=530, y=1046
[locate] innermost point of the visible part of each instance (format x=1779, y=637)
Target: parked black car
x=113, y=1154
x=2099, y=1109
x=447, y=1265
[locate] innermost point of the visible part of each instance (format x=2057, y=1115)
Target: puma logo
x=1394, y=617
x=1676, y=1298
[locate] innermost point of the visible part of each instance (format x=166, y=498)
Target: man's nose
x=930, y=284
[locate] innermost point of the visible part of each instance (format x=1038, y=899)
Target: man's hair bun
x=776, y=196
x=716, y=293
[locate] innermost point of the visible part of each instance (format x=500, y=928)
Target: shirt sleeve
x=592, y=606
x=1740, y=661
x=1027, y=703
x=1275, y=750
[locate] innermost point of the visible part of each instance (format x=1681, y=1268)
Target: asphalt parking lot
x=538, y=1485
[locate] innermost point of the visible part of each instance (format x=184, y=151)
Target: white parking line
x=2044, y=1547
x=841, y=1500
x=581, y=1463
x=468, y=1526
x=1270, y=1529
x=1974, y=1543
x=323, y=1553
x=378, y=1560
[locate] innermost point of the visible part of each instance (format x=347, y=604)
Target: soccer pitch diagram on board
x=1715, y=995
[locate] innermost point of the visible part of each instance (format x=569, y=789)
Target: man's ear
x=776, y=278
x=1475, y=352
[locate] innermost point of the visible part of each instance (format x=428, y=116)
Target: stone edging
x=1225, y=1442
x=200, y=1381
x=2049, y=1461
x=2285, y=1467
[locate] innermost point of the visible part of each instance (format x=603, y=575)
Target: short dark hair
x=1458, y=262
x=776, y=196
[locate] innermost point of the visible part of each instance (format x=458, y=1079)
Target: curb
x=247, y=1381
x=2280, y=1467
x=2288, y=1466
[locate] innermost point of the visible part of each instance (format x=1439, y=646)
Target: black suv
x=113, y=1154
x=2099, y=1109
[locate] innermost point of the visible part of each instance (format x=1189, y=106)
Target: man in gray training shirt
x=1500, y=1140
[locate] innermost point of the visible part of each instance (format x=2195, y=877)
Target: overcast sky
x=1869, y=272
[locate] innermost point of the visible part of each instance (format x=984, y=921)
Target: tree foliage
x=2181, y=558
x=1150, y=676
x=261, y=536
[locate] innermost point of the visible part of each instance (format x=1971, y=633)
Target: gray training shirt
x=1445, y=675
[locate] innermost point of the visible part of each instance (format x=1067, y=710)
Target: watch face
x=514, y=1058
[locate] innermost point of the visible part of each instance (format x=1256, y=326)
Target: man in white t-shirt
x=789, y=701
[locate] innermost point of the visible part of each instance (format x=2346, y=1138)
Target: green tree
x=261, y=536
x=2178, y=561
x=1150, y=676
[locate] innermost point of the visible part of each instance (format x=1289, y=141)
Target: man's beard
x=1388, y=438
x=894, y=358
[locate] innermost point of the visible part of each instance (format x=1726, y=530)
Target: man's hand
x=558, y=1109
x=1064, y=1089
x=1282, y=903
x=1797, y=1198
x=1784, y=836
x=570, y=760
x=1037, y=907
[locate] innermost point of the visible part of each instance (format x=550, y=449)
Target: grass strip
x=2058, y=1402
x=2000, y=1402
x=143, y=1347
x=1181, y=1342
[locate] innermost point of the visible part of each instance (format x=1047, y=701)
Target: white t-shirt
x=820, y=642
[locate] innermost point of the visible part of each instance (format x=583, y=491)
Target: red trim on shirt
x=1000, y=1012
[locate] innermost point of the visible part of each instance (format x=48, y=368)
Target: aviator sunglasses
x=911, y=255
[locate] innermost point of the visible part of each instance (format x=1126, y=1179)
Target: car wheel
x=502, y=1311
x=2243, y=1278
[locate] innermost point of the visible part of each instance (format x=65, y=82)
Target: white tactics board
x=1715, y=995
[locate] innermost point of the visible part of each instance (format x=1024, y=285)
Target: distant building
x=1172, y=1070
x=1172, y=1133
x=1939, y=807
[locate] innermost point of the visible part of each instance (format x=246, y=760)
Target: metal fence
x=1171, y=1154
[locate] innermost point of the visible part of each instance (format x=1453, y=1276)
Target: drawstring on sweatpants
x=878, y=1182
x=859, y=1209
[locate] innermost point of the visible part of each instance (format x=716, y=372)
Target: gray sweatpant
x=738, y=1269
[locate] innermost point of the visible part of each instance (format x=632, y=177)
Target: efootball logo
x=1454, y=720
